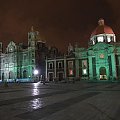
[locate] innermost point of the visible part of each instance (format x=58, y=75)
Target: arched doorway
x=103, y=75
x=2, y=77
x=50, y=76
x=11, y=75
x=24, y=74
x=60, y=76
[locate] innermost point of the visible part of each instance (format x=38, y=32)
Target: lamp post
x=36, y=72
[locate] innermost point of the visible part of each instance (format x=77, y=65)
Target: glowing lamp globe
x=35, y=72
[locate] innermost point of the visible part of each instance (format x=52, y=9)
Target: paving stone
x=62, y=101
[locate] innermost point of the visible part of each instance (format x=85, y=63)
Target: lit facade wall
x=19, y=61
x=102, y=62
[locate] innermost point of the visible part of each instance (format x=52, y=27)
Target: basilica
x=99, y=62
x=35, y=61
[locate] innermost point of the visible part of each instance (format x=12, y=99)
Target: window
x=33, y=55
x=84, y=71
x=33, y=61
x=70, y=68
x=84, y=63
x=109, y=40
x=59, y=64
x=25, y=56
x=100, y=39
x=50, y=65
x=29, y=36
x=70, y=64
x=84, y=67
x=112, y=38
x=6, y=64
x=70, y=72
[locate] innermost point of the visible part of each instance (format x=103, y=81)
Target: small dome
x=102, y=29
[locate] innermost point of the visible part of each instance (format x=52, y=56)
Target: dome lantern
x=101, y=22
x=102, y=33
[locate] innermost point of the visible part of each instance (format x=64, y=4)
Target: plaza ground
x=60, y=101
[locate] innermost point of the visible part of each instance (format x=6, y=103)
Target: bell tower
x=32, y=37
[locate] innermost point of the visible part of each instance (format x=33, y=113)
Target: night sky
x=59, y=22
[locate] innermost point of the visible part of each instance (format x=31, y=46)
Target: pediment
x=11, y=47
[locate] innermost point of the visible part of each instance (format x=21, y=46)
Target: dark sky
x=58, y=21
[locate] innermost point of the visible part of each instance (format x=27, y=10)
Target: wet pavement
x=60, y=101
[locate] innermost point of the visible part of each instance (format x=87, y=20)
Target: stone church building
x=99, y=62
x=23, y=62
x=35, y=61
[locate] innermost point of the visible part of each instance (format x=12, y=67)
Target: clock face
x=101, y=55
x=11, y=49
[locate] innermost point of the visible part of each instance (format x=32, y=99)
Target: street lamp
x=35, y=72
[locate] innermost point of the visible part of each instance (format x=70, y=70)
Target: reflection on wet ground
x=27, y=98
x=50, y=109
x=35, y=91
x=35, y=101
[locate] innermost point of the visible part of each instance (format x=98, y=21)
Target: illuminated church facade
x=99, y=62
x=23, y=62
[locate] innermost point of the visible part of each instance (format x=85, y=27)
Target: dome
x=102, y=33
x=102, y=29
